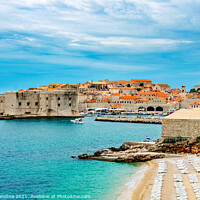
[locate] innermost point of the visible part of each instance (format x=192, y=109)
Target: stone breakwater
x=128, y=152
x=129, y=120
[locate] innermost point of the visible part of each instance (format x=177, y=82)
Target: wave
x=132, y=183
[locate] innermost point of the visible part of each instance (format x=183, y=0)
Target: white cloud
x=100, y=25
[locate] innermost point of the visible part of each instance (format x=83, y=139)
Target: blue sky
x=72, y=41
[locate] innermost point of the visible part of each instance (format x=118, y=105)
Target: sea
x=36, y=163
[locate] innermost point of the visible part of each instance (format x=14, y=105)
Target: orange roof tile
x=116, y=94
x=129, y=97
x=117, y=106
x=142, y=99
x=121, y=81
x=163, y=85
x=195, y=103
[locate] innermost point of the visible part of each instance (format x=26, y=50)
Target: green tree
x=193, y=90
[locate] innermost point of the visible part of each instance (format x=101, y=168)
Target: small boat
x=77, y=121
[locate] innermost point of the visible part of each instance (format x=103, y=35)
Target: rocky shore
x=129, y=120
x=171, y=146
x=145, y=151
x=128, y=152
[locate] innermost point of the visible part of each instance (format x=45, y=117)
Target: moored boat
x=77, y=121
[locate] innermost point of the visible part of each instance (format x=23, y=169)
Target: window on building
x=28, y=103
x=36, y=103
x=58, y=98
x=70, y=98
x=70, y=105
x=58, y=105
x=46, y=98
x=20, y=103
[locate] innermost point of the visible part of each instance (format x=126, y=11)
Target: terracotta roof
x=142, y=99
x=117, y=106
x=129, y=97
x=176, y=99
x=121, y=81
x=161, y=94
x=163, y=99
x=163, y=85
x=96, y=100
x=195, y=103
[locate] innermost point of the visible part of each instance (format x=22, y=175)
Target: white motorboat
x=77, y=121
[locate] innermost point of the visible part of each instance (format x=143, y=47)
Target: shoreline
x=143, y=188
x=132, y=184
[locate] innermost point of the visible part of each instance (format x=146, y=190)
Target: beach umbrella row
x=195, y=184
x=158, y=181
x=181, y=193
x=195, y=162
x=182, y=166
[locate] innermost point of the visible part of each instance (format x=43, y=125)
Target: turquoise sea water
x=35, y=157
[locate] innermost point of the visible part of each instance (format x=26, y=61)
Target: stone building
x=2, y=101
x=162, y=87
x=58, y=102
x=195, y=104
x=196, y=87
x=184, y=123
x=140, y=82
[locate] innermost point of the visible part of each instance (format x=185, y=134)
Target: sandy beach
x=143, y=189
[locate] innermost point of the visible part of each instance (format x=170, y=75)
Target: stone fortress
x=49, y=103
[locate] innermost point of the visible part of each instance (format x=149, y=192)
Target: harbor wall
x=180, y=127
x=129, y=120
x=2, y=104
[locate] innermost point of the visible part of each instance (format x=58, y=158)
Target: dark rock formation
x=85, y=156
x=188, y=146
